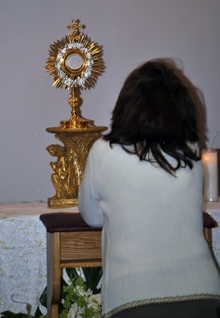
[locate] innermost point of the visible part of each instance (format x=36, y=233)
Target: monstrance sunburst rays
x=75, y=62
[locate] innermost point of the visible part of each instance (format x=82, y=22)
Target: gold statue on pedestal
x=75, y=63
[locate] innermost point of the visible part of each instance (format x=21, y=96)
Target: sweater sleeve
x=88, y=202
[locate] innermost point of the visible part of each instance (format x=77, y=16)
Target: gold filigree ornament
x=75, y=62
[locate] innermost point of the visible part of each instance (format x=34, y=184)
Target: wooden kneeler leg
x=53, y=274
x=208, y=235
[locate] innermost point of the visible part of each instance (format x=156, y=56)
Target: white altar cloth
x=23, y=254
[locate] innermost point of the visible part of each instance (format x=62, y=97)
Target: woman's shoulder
x=100, y=147
x=103, y=146
x=100, y=144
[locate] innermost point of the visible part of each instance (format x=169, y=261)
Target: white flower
x=75, y=311
x=92, y=301
x=96, y=298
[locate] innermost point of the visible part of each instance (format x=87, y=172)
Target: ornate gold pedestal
x=69, y=168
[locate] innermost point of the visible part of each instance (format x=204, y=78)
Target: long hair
x=155, y=115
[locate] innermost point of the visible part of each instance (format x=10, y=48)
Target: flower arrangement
x=80, y=302
x=80, y=296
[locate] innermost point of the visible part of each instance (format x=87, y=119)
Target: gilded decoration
x=75, y=62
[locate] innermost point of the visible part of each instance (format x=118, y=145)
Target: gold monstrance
x=75, y=63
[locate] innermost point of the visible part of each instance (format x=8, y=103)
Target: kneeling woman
x=144, y=185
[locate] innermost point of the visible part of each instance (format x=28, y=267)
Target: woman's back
x=153, y=241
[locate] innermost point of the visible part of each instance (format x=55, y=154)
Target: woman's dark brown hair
x=155, y=113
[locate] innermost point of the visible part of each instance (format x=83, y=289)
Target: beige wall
x=131, y=31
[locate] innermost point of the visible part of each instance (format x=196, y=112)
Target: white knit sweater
x=153, y=241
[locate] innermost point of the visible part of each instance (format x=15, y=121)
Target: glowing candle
x=210, y=164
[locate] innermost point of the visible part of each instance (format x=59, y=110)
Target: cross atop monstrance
x=75, y=63
x=76, y=26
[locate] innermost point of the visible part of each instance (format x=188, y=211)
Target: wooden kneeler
x=70, y=243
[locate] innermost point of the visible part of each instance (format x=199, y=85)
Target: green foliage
x=81, y=298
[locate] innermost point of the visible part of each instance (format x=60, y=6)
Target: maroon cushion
x=208, y=221
x=65, y=222
x=73, y=222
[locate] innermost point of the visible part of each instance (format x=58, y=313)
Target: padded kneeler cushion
x=208, y=221
x=65, y=222
x=73, y=222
